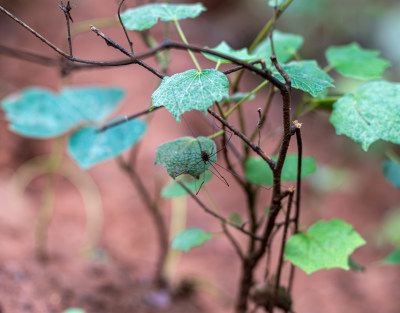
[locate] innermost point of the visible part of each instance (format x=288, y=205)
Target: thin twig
x=113, y=44
x=67, y=13
x=298, y=196
x=216, y=215
x=127, y=118
x=252, y=145
x=233, y=241
x=123, y=27
x=284, y=236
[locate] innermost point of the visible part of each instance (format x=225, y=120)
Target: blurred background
x=349, y=183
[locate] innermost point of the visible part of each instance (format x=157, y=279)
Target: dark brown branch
x=123, y=27
x=30, y=56
x=238, y=68
x=284, y=236
x=67, y=13
x=253, y=146
x=216, y=215
x=235, y=244
x=113, y=44
x=55, y=48
x=298, y=196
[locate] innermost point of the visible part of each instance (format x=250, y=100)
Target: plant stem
x=245, y=98
x=183, y=37
x=48, y=195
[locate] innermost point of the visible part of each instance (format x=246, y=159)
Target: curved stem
x=183, y=37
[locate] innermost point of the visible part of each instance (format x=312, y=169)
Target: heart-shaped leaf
x=89, y=147
x=191, y=90
x=326, y=245
x=369, y=114
x=40, y=113
x=184, y=156
x=146, y=16
x=306, y=76
x=353, y=61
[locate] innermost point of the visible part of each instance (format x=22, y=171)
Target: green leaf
x=353, y=61
x=146, y=16
x=326, y=245
x=272, y=3
x=369, y=114
x=289, y=171
x=224, y=48
x=259, y=172
x=285, y=46
x=174, y=190
x=39, y=113
x=88, y=147
x=393, y=258
x=191, y=90
x=236, y=219
x=190, y=238
x=238, y=96
x=306, y=76
x=74, y=310
x=183, y=156
x=391, y=169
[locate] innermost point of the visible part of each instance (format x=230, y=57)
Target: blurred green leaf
x=393, y=258
x=238, y=96
x=353, y=61
x=146, y=16
x=306, y=76
x=258, y=171
x=224, y=48
x=389, y=230
x=369, y=114
x=88, y=147
x=326, y=245
x=190, y=238
x=191, y=90
x=391, y=170
x=174, y=190
x=40, y=113
x=286, y=45
x=236, y=219
x=272, y=3
x=183, y=156
x=328, y=178
x=74, y=310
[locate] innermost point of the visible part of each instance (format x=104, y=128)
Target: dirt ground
x=116, y=277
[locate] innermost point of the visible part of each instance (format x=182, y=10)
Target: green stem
x=215, y=135
x=218, y=64
x=182, y=35
x=267, y=27
x=177, y=224
x=247, y=97
x=48, y=195
x=327, y=68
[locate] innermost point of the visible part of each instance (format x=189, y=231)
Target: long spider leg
x=226, y=143
x=237, y=175
x=221, y=178
x=204, y=177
